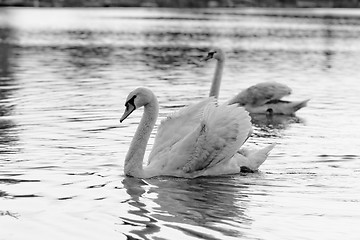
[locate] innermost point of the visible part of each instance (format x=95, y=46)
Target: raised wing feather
x=261, y=93
x=176, y=126
x=221, y=133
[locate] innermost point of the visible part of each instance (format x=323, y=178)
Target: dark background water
x=183, y=3
x=65, y=75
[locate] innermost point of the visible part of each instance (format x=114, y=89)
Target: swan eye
x=211, y=54
x=130, y=102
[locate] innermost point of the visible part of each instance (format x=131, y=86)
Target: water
x=63, y=86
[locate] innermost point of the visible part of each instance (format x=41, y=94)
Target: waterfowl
x=261, y=98
x=202, y=139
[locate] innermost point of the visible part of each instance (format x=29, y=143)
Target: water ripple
x=62, y=147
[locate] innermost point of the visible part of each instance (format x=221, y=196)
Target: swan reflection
x=204, y=207
x=274, y=121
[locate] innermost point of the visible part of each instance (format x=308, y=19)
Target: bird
x=262, y=98
x=202, y=139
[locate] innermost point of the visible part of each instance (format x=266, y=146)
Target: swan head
x=215, y=53
x=136, y=99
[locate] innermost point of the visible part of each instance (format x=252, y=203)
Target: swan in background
x=199, y=140
x=264, y=98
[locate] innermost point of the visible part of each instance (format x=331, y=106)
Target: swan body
x=200, y=140
x=260, y=98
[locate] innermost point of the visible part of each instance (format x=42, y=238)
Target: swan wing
x=178, y=125
x=261, y=93
x=220, y=134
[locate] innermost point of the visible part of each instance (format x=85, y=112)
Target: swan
x=261, y=98
x=199, y=140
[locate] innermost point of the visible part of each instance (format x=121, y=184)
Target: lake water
x=65, y=75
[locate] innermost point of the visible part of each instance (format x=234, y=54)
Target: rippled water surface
x=65, y=75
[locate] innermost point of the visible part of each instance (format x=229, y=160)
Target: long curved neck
x=215, y=85
x=135, y=155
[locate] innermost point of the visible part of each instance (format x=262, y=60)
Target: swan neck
x=135, y=156
x=215, y=85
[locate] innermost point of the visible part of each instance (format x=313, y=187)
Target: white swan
x=262, y=98
x=200, y=140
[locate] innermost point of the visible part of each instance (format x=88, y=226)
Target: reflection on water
x=274, y=121
x=8, y=134
x=62, y=87
x=328, y=40
x=6, y=36
x=272, y=126
x=182, y=204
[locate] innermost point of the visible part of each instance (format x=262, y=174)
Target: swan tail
x=289, y=108
x=256, y=157
x=299, y=104
x=222, y=131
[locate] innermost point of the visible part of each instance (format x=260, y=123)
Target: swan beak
x=204, y=59
x=129, y=109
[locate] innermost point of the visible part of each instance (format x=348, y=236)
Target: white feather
x=199, y=140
